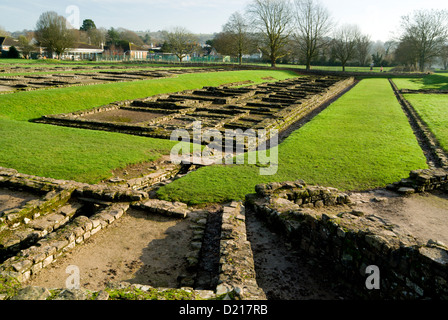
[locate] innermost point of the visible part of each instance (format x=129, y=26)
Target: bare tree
x=426, y=31
x=181, y=42
x=406, y=54
x=312, y=25
x=344, y=43
x=54, y=33
x=363, y=46
x=130, y=36
x=97, y=37
x=236, y=36
x=444, y=56
x=224, y=43
x=272, y=19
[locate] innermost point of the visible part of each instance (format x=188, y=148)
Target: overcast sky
x=378, y=18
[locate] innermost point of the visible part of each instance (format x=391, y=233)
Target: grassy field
x=83, y=155
x=433, y=109
x=438, y=81
x=30, y=105
x=361, y=141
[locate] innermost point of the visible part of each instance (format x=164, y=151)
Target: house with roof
x=83, y=51
x=6, y=43
x=127, y=51
x=135, y=52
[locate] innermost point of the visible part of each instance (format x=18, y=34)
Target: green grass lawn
x=72, y=154
x=433, y=109
x=438, y=81
x=84, y=155
x=361, y=141
x=30, y=105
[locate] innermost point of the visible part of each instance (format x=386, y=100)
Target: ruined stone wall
x=428, y=141
x=30, y=261
x=271, y=106
x=303, y=195
x=237, y=270
x=352, y=241
x=421, y=181
x=33, y=235
x=10, y=178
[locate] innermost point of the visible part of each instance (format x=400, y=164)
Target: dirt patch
x=285, y=274
x=422, y=215
x=6, y=89
x=237, y=84
x=124, y=116
x=149, y=250
x=14, y=199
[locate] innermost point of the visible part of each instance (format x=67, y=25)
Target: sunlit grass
x=361, y=141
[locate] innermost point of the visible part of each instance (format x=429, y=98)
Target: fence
x=172, y=59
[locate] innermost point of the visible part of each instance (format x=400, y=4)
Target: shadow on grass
x=434, y=81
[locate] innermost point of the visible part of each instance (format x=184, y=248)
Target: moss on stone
x=151, y=294
x=8, y=285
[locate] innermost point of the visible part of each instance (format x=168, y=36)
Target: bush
x=13, y=53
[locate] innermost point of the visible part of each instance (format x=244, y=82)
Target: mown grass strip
x=361, y=141
x=72, y=154
x=433, y=109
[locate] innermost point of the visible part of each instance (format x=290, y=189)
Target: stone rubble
x=351, y=241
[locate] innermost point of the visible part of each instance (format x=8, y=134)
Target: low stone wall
x=115, y=291
x=237, y=271
x=427, y=138
x=352, y=241
x=33, y=209
x=10, y=178
x=30, y=261
x=423, y=91
x=166, y=208
x=155, y=177
x=303, y=195
x=35, y=247
x=421, y=181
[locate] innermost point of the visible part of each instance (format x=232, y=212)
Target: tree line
x=288, y=31
x=303, y=31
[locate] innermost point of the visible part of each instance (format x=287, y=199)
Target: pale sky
x=378, y=18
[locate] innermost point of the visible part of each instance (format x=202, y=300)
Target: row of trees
x=424, y=39
x=294, y=30
x=305, y=29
